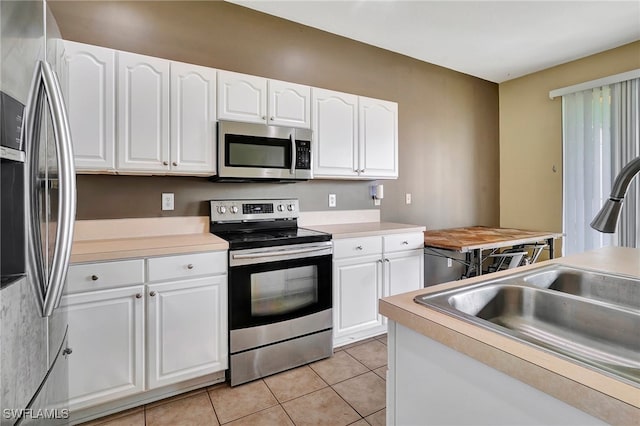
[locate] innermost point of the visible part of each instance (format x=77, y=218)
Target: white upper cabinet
x=289, y=104
x=87, y=75
x=242, y=97
x=378, y=122
x=143, y=113
x=252, y=99
x=335, y=133
x=193, y=119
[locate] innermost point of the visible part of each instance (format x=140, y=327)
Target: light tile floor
x=346, y=389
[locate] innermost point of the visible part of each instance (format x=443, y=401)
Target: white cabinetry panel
x=88, y=83
x=335, y=133
x=242, y=97
x=193, y=119
x=106, y=333
x=143, y=113
x=358, y=286
x=378, y=121
x=187, y=326
x=289, y=104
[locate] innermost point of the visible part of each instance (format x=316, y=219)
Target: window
x=600, y=135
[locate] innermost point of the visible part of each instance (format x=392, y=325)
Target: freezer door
x=51, y=188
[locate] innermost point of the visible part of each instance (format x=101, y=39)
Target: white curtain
x=600, y=135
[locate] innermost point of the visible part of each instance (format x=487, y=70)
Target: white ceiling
x=493, y=40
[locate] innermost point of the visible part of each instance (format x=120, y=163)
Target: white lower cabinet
x=128, y=339
x=357, y=286
x=106, y=334
x=187, y=329
x=366, y=269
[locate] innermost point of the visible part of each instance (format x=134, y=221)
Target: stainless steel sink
x=589, y=317
x=614, y=289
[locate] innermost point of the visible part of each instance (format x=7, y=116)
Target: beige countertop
x=598, y=394
x=366, y=229
x=96, y=240
x=123, y=248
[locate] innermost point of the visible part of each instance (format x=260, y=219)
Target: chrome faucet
x=607, y=217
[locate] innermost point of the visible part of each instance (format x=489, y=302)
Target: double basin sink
x=589, y=317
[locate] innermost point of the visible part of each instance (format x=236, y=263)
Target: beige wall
x=531, y=137
x=448, y=121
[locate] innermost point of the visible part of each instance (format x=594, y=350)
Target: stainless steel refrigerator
x=37, y=217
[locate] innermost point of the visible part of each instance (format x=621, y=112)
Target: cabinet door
x=193, y=119
x=335, y=133
x=187, y=326
x=289, y=104
x=357, y=286
x=106, y=333
x=242, y=97
x=143, y=113
x=378, y=122
x=87, y=76
x=404, y=272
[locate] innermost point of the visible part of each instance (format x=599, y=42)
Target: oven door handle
x=278, y=253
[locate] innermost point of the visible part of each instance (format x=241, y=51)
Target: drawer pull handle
x=94, y=278
x=165, y=163
x=387, y=260
x=358, y=247
x=190, y=266
x=152, y=293
x=67, y=351
x=405, y=243
x=138, y=296
x=175, y=163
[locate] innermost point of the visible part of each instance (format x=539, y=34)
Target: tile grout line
x=215, y=413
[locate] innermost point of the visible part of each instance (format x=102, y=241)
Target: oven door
x=275, y=284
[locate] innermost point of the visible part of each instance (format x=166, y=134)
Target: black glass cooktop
x=271, y=237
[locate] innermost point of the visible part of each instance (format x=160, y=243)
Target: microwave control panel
x=303, y=154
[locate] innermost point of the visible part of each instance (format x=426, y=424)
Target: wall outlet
x=407, y=198
x=449, y=262
x=332, y=200
x=167, y=201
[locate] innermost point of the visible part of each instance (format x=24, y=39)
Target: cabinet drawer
x=189, y=265
x=350, y=247
x=401, y=242
x=104, y=275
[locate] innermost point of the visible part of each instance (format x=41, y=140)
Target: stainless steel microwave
x=259, y=152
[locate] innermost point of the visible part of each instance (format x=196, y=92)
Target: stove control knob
x=290, y=207
x=234, y=209
x=280, y=208
x=222, y=209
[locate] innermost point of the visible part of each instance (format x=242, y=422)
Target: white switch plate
x=332, y=200
x=167, y=201
x=407, y=198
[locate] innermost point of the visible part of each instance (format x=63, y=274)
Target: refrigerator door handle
x=47, y=87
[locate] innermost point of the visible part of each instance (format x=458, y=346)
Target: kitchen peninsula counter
x=598, y=394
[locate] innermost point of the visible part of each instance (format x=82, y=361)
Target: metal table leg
x=551, y=250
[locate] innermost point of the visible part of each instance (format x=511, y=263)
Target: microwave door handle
x=31, y=136
x=293, y=152
x=66, y=190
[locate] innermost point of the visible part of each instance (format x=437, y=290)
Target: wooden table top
x=482, y=237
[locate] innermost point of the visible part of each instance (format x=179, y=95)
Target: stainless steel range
x=279, y=287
